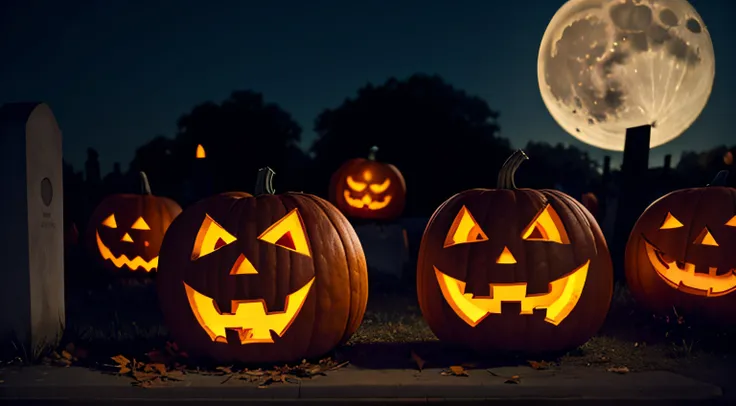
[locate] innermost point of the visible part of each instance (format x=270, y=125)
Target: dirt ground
x=108, y=319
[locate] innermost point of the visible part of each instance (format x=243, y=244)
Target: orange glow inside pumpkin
x=123, y=260
x=558, y=302
x=250, y=318
x=370, y=199
x=682, y=276
x=200, y=154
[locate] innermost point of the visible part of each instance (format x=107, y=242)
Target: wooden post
x=633, y=195
x=31, y=212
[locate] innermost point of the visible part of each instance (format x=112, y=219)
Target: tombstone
x=32, y=275
x=385, y=247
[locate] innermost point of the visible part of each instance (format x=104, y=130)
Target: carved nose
x=506, y=257
x=127, y=238
x=705, y=238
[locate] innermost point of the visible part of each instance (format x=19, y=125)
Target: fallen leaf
x=619, y=370
x=121, y=360
x=455, y=370
x=124, y=370
x=160, y=368
x=516, y=379
x=419, y=361
x=225, y=370
x=539, y=365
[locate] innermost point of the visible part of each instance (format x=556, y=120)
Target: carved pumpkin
x=681, y=253
x=126, y=230
x=514, y=269
x=262, y=279
x=368, y=189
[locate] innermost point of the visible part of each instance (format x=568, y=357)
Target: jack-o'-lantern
x=510, y=269
x=262, y=279
x=125, y=231
x=368, y=189
x=681, y=253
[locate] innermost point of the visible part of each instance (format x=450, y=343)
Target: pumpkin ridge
x=353, y=319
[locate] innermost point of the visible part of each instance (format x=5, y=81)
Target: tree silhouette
x=442, y=139
x=240, y=135
x=696, y=169
x=156, y=159
x=563, y=167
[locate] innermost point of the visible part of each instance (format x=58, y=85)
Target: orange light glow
x=288, y=233
x=366, y=201
x=123, y=260
x=250, y=318
x=559, y=302
x=685, y=278
x=200, y=152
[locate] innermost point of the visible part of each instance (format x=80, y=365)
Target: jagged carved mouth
x=123, y=260
x=558, y=302
x=681, y=275
x=250, y=318
x=366, y=201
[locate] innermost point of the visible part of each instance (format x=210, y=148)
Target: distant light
x=728, y=158
x=200, y=152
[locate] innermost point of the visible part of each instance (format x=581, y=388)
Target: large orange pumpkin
x=368, y=189
x=514, y=269
x=125, y=231
x=681, y=253
x=262, y=279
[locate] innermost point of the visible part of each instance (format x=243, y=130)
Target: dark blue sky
x=118, y=72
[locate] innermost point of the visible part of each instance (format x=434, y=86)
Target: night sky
x=116, y=73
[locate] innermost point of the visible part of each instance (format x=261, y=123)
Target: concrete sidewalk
x=77, y=385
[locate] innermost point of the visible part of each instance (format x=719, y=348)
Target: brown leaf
x=418, y=360
x=121, y=360
x=516, y=379
x=144, y=376
x=619, y=370
x=225, y=370
x=124, y=370
x=539, y=365
x=160, y=368
x=456, y=370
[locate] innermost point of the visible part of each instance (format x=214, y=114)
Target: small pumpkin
x=510, y=269
x=367, y=189
x=125, y=231
x=262, y=279
x=681, y=253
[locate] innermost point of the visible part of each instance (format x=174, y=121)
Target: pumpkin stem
x=508, y=170
x=720, y=179
x=264, y=182
x=145, y=186
x=372, y=153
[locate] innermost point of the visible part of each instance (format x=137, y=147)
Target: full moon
x=607, y=65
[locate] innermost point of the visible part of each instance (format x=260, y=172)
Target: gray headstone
x=31, y=235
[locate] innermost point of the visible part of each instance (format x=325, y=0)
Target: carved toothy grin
x=366, y=201
x=684, y=278
x=133, y=264
x=250, y=318
x=559, y=302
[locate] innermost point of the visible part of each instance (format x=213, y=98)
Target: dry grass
x=111, y=320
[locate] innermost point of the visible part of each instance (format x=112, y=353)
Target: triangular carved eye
x=288, y=233
x=546, y=226
x=732, y=222
x=210, y=238
x=140, y=224
x=670, y=222
x=110, y=221
x=464, y=230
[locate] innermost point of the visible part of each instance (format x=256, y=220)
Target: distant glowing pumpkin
x=681, y=253
x=126, y=230
x=367, y=189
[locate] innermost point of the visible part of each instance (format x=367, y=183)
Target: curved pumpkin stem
x=720, y=179
x=145, y=186
x=508, y=170
x=264, y=182
x=372, y=153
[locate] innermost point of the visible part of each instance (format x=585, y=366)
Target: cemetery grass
x=107, y=319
